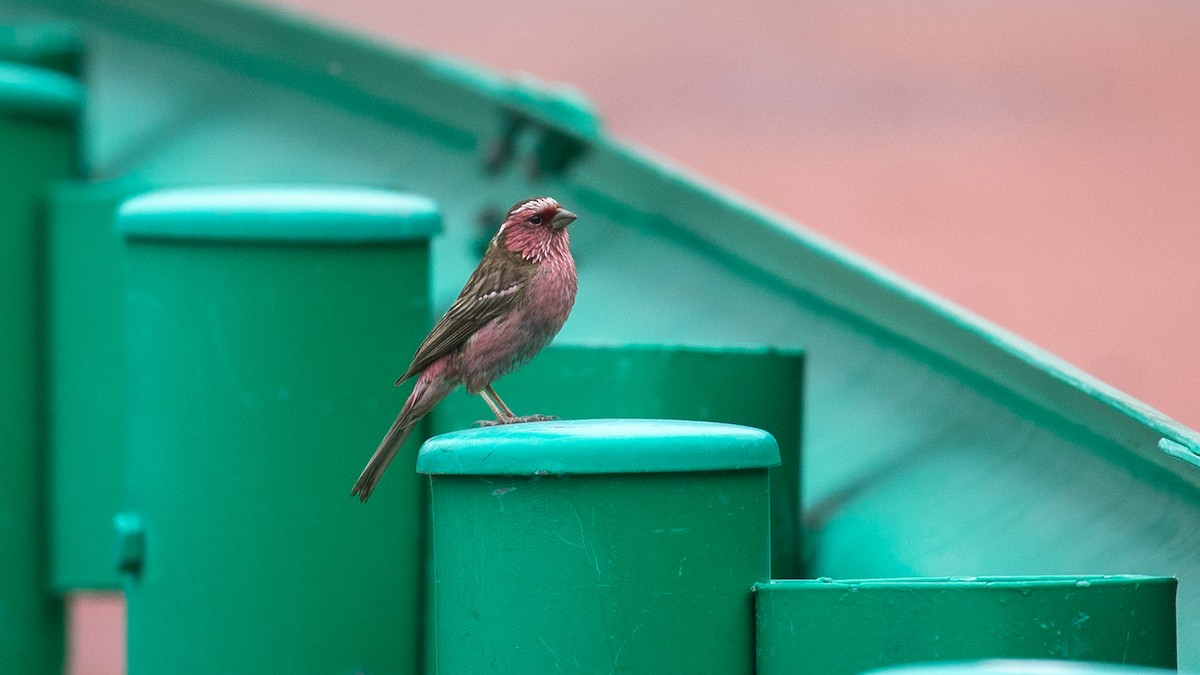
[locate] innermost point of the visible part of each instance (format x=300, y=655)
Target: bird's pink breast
x=509, y=342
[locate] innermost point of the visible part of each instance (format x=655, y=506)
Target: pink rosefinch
x=512, y=306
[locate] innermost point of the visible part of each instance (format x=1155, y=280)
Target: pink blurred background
x=1035, y=162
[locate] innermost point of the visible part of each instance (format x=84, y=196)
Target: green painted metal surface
x=85, y=380
x=38, y=133
x=258, y=374
x=1021, y=667
x=598, y=572
x=755, y=387
x=827, y=626
x=55, y=46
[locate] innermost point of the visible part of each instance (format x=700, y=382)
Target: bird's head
x=535, y=228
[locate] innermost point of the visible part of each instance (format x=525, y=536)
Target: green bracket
x=561, y=120
x=131, y=545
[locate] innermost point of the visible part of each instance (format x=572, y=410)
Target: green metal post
x=82, y=345
x=826, y=626
x=39, y=114
x=754, y=387
x=86, y=381
x=265, y=327
x=598, y=546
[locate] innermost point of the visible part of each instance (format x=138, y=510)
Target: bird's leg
x=512, y=418
x=504, y=414
x=499, y=401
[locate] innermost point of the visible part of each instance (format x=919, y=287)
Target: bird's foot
x=515, y=420
x=533, y=418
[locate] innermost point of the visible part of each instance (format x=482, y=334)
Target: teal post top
x=1019, y=667
x=598, y=447
x=297, y=213
x=852, y=626
x=37, y=92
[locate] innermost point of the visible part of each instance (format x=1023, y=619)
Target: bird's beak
x=562, y=219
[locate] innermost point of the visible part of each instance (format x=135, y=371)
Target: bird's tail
x=431, y=388
x=387, y=449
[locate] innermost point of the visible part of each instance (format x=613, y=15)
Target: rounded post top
x=279, y=213
x=940, y=584
x=598, y=447
x=1019, y=667
x=38, y=92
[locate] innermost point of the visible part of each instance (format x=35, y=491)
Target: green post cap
x=299, y=214
x=31, y=91
x=598, y=447
x=997, y=584
x=1020, y=667
x=854, y=626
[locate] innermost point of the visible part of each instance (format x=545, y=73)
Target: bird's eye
x=536, y=219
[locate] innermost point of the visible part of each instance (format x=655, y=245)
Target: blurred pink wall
x=96, y=635
x=1035, y=162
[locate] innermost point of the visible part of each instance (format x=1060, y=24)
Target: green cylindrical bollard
x=39, y=113
x=826, y=626
x=598, y=546
x=754, y=387
x=265, y=327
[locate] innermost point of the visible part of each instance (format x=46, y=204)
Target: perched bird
x=512, y=305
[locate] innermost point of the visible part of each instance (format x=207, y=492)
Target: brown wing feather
x=496, y=287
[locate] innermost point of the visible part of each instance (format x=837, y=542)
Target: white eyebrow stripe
x=535, y=205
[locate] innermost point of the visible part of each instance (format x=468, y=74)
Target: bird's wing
x=492, y=290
